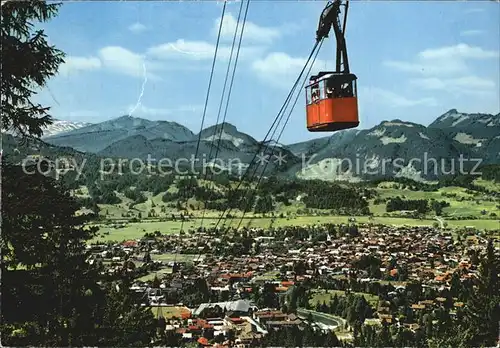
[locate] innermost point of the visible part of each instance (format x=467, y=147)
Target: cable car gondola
x=331, y=96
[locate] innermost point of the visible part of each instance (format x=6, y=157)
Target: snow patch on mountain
x=273, y=144
x=390, y=140
x=377, y=132
x=57, y=127
x=410, y=172
x=371, y=162
x=328, y=169
x=397, y=124
x=225, y=136
x=465, y=138
x=423, y=136
x=453, y=113
x=61, y=126
x=461, y=118
x=230, y=166
x=484, y=120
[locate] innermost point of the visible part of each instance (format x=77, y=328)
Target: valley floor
x=119, y=231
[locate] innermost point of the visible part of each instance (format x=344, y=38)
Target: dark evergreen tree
x=28, y=61
x=57, y=297
x=264, y=204
x=384, y=337
x=482, y=313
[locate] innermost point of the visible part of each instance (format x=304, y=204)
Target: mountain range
x=454, y=142
x=62, y=126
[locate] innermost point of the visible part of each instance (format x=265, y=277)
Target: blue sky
x=414, y=60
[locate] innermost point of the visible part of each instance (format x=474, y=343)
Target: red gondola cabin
x=331, y=102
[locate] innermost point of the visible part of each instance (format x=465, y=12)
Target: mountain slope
x=97, y=137
x=61, y=126
x=181, y=154
x=453, y=119
x=469, y=129
x=57, y=127
x=228, y=132
x=392, y=148
x=479, y=132
x=309, y=146
x=16, y=150
x=325, y=144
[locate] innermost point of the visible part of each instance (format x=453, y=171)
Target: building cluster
x=232, y=323
x=230, y=314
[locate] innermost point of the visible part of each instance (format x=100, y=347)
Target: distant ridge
x=451, y=135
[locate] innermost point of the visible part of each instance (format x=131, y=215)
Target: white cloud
x=389, y=98
x=113, y=58
x=450, y=60
x=279, y=63
x=446, y=69
x=119, y=58
x=459, y=84
x=473, y=82
x=252, y=32
x=463, y=51
x=74, y=64
x=123, y=61
x=281, y=70
x=137, y=28
x=471, y=32
x=199, y=50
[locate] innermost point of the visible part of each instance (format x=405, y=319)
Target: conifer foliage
x=52, y=293
x=28, y=61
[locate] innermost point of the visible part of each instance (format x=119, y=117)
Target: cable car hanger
x=331, y=96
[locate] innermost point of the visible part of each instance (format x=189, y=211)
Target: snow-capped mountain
x=391, y=148
x=61, y=126
x=97, y=137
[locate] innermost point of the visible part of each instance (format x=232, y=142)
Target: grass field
x=471, y=205
x=385, y=190
x=135, y=230
x=152, y=275
x=269, y=276
x=170, y=311
x=463, y=204
x=488, y=184
x=172, y=257
x=167, y=258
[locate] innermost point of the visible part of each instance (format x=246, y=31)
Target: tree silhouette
x=483, y=308
x=28, y=61
x=57, y=297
